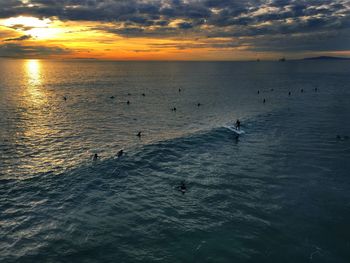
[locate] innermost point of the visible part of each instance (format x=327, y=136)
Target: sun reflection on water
x=34, y=81
x=37, y=127
x=33, y=69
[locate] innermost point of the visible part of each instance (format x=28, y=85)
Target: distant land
x=326, y=58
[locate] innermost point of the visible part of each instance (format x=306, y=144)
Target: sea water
x=278, y=193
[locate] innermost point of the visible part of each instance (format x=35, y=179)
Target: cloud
x=255, y=20
x=24, y=51
x=201, y=43
x=185, y=25
x=302, y=42
x=21, y=27
x=21, y=38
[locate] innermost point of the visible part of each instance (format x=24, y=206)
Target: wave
x=249, y=182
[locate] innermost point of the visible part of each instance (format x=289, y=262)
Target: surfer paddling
x=182, y=187
x=120, y=153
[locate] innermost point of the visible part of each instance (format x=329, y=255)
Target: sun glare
x=41, y=29
x=27, y=21
x=43, y=33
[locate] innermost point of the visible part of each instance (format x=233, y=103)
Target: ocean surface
x=278, y=193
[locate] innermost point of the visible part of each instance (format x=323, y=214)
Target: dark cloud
x=23, y=51
x=208, y=43
x=134, y=31
x=21, y=27
x=253, y=19
x=21, y=38
x=185, y=25
x=302, y=42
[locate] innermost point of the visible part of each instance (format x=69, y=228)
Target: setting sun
x=40, y=29
x=26, y=22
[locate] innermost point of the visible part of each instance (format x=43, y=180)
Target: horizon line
x=173, y=60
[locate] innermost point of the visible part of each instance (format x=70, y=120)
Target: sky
x=174, y=29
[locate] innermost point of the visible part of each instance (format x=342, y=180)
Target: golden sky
x=173, y=29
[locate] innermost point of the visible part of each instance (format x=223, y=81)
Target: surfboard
x=235, y=130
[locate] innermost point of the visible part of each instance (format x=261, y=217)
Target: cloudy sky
x=174, y=29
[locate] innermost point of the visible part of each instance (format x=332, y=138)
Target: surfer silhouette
x=95, y=158
x=120, y=153
x=238, y=125
x=182, y=187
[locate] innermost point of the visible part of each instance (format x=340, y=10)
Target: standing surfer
x=238, y=124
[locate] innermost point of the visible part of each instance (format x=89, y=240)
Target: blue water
x=279, y=193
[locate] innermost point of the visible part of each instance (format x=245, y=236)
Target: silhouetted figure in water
x=112, y=97
x=65, y=98
x=173, y=109
x=346, y=137
x=182, y=187
x=143, y=94
x=302, y=90
x=129, y=94
x=289, y=93
x=264, y=101
x=138, y=134
x=128, y=102
x=95, y=158
x=315, y=89
x=120, y=153
x=198, y=105
x=238, y=124
x=272, y=89
x=179, y=90
x=258, y=91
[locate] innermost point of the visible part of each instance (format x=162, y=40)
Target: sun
x=43, y=33
x=26, y=22
x=40, y=29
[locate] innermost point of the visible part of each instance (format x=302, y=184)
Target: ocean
x=278, y=193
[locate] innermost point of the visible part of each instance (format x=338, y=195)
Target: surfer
x=238, y=124
x=182, y=187
x=128, y=102
x=138, y=134
x=95, y=158
x=120, y=153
